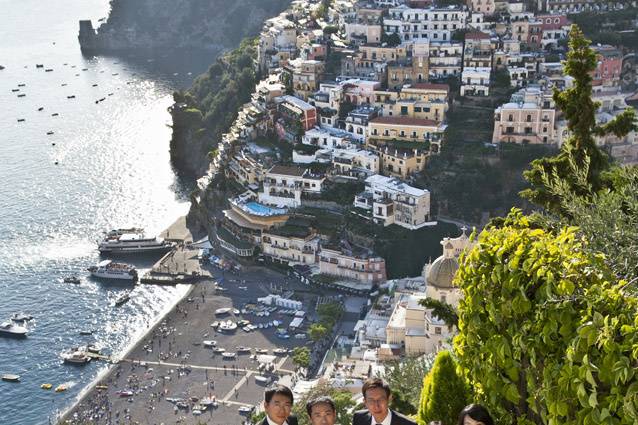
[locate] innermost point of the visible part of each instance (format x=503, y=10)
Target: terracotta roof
x=430, y=86
x=477, y=35
x=405, y=121
x=287, y=171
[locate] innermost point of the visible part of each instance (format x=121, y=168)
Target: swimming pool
x=260, y=209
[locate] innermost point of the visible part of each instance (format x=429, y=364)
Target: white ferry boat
x=12, y=330
x=75, y=357
x=131, y=241
x=109, y=270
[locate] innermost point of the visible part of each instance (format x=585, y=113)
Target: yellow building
x=422, y=100
x=403, y=128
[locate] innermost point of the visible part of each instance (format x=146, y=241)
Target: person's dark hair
x=372, y=383
x=278, y=389
x=476, y=412
x=320, y=400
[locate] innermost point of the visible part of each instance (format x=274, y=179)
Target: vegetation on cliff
x=204, y=112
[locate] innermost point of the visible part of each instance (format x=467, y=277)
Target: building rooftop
x=394, y=184
x=428, y=86
x=285, y=170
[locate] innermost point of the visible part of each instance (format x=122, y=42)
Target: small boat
x=94, y=85
x=218, y=350
x=228, y=355
x=48, y=70
x=75, y=357
x=71, y=97
x=39, y=65
x=280, y=351
x=21, y=85
x=209, y=343
x=21, y=317
x=11, y=330
x=86, y=332
x=261, y=350
x=122, y=299
x=115, y=73
x=242, y=349
x=102, y=99
x=71, y=279
x=85, y=69
x=9, y=377
x=93, y=349
x=63, y=84
x=21, y=120
x=101, y=387
x=22, y=95
x=227, y=326
x=55, y=114
x=41, y=108
x=215, y=324
x=60, y=388
x=49, y=133
x=110, y=94
x=46, y=386
x=15, y=90
x=1, y=67
x=245, y=409
x=221, y=311
x=124, y=393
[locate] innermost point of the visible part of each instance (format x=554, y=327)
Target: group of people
x=377, y=396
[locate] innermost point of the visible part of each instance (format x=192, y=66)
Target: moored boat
x=10, y=377
x=108, y=269
x=71, y=279
x=11, y=330
x=131, y=241
x=227, y=326
x=75, y=357
x=229, y=355
x=122, y=299
x=21, y=317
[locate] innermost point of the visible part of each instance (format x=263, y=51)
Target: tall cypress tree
x=444, y=393
x=580, y=148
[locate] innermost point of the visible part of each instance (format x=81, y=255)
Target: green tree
x=444, y=393
x=443, y=311
x=545, y=335
x=301, y=356
x=405, y=377
x=317, y=332
x=344, y=403
x=580, y=147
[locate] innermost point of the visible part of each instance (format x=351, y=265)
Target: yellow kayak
x=60, y=388
x=102, y=387
x=46, y=386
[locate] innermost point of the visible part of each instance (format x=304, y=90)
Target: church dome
x=441, y=272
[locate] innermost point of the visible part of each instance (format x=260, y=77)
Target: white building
x=475, y=81
x=446, y=58
x=328, y=138
x=356, y=163
x=434, y=24
x=393, y=202
x=284, y=185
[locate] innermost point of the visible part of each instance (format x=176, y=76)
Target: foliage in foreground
x=342, y=398
x=405, y=378
x=545, y=335
x=444, y=394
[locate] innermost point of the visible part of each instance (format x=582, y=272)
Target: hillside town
x=354, y=99
x=353, y=103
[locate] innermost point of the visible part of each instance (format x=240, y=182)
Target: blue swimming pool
x=260, y=209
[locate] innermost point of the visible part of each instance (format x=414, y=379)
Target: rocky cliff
x=201, y=24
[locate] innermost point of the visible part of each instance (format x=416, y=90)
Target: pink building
x=335, y=262
x=609, y=66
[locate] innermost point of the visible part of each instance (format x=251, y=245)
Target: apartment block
x=283, y=185
x=529, y=117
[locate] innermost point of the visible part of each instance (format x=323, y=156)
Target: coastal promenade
x=170, y=362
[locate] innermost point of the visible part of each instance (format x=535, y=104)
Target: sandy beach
x=170, y=362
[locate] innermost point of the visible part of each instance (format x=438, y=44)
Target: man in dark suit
x=278, y=405
x=377, y=397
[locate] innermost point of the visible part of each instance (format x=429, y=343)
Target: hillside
x=201, y=24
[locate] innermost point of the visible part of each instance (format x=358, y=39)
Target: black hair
x=320, y=400
x=372, y=383
x=278, y=389
x=476, y=412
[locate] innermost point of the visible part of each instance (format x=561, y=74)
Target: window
x=437, y=330
x=404, y=110
x=510, y=118
x=509, y=130
x=529, y=118
x=528, y=130
x=417, y=109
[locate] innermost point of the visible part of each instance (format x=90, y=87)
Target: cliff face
x=199, y=24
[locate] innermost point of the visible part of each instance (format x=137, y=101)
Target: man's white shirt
x=270, y=422
x=386, y=421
